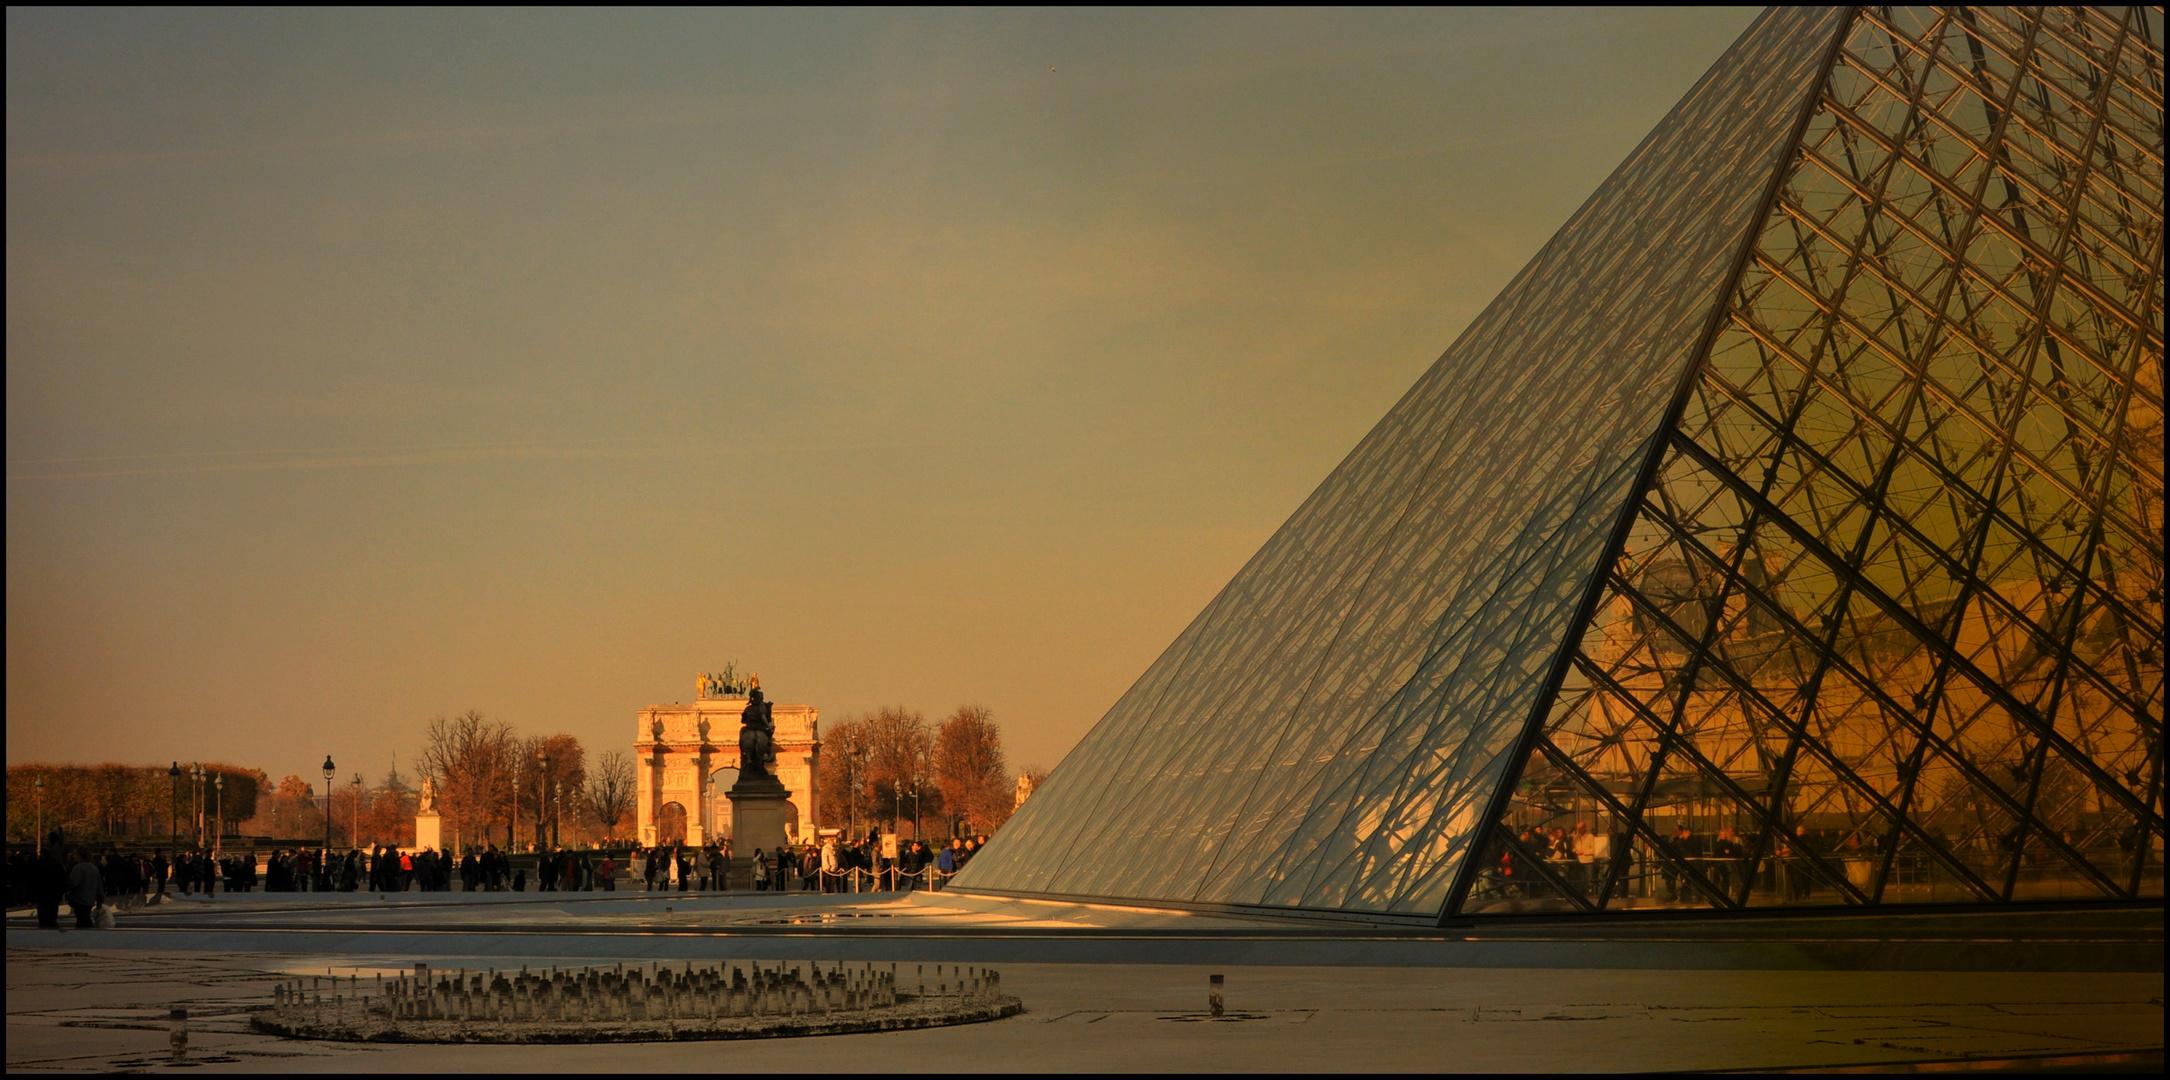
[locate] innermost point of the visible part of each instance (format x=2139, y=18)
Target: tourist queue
x=88, y=881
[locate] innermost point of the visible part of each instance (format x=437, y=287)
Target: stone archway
x=682, y=746
x=671, y=825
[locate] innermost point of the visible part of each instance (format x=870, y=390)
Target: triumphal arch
x=686, y=754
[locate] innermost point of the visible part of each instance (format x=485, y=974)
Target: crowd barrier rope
x=888, y=879
x=853, y=879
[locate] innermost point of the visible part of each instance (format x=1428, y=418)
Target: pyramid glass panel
x=1788, y=532
x=1900, y=639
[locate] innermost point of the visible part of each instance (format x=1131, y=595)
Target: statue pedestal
x=760, y=808
x=738, y=873
x=428, y=831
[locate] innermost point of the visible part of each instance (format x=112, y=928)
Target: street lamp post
x=542, y=790
x=512, y=831
x=39, y=784
x=173, y=804
x=354, y=834
x=915, y=808
x=218, y=810
x=195, y=800
x=330, y=771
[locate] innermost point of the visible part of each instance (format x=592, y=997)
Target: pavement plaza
x=1110, y=989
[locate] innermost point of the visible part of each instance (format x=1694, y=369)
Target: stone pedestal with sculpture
x=428, y=831
x=761, y=810
x=428, y=824
x=761, y=815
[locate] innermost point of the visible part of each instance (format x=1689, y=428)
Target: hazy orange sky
x=365, y=366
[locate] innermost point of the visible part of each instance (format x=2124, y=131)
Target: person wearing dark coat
x=48, y=883
x=85, y=889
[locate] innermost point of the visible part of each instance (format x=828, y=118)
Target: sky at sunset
x=367, y=366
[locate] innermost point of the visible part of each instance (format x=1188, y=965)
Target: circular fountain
x=646, y=1003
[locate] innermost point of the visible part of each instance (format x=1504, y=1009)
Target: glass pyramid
x=1788, y=532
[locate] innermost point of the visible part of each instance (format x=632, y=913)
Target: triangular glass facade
x=1789, y=531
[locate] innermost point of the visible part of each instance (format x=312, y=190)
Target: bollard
x=1213, y=995
x=177, y=1033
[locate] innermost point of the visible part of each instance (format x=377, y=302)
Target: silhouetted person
x=85, y=889
x=48, y=885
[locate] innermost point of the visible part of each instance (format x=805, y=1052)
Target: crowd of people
x=1587, y=859
x=46, y=879
x=126, y=879
x=1698, y=867
x=843, y=865
x=837, y=864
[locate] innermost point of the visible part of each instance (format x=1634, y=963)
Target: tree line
x=889, y=766
x=492, y=782
x=493, y=785
x=128, y=801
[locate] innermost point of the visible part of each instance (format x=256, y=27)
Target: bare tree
x=896, y=751
x=846, y=758
x=473, y=759
x=551, y=768
x=296, y=812
x=611, y=790
x=968, y=764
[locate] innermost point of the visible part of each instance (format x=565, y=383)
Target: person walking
x=1584, y=844
x=85, y=889
x=1678, y=885
x=945, y=863
x=48, y=886
x=1725, y=853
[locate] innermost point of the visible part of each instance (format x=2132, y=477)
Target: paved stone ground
x=492, y=928
x=101, y=1010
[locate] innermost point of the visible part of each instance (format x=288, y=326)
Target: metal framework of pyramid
x=1788, y=532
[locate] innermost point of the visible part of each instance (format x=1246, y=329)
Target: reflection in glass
x=1888, y=626
x=1838, y=409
